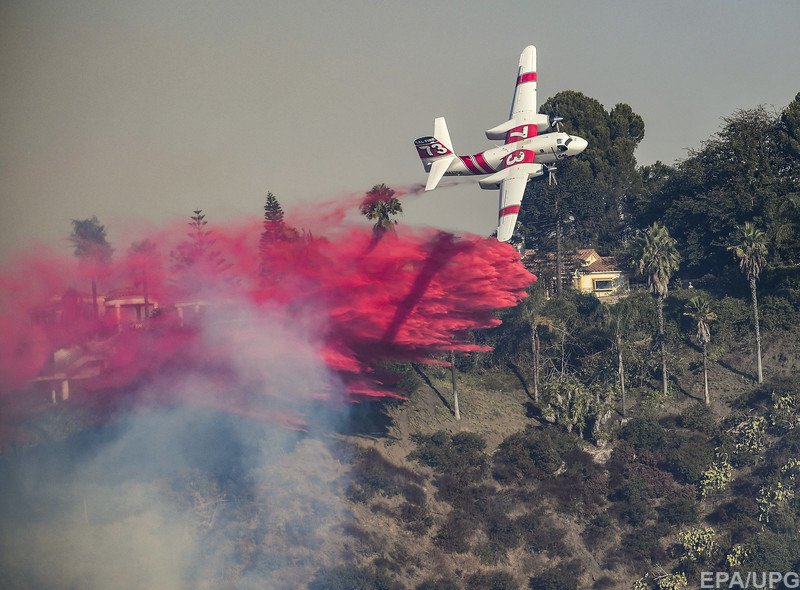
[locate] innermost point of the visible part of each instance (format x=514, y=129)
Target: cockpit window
x=567, y=142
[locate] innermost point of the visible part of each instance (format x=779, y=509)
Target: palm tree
x=143, y=255
x=532, y=310
x=615, y=320
x=751, y=250
x=699, y=309
x=381, y=205
x=91, y=247
x=656, y=257
x=456, y=411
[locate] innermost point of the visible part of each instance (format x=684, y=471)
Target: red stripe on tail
x=526, y=77
x=508, y=210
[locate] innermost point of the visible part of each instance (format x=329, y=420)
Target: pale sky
x=145, y=110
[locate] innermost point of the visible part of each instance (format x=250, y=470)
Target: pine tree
x=275, y=229
x=198, y=251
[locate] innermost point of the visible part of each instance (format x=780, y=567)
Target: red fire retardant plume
x=337, y=293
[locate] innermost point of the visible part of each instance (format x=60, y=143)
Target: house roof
x=603, y=264
x=577, y=260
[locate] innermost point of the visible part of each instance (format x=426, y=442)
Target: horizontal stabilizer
x=438, y=168
x=441, y=134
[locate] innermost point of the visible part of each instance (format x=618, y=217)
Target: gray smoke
x=183, y=494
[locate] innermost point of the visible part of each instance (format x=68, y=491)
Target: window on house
x=604, y=285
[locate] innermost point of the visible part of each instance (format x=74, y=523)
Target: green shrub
x=372, y=474
x=643, y=544
x=541, y=535
x=530, y=454
x=772, y=552
x=732, y=326
x=778, y=313
x=599, y=528
x=454, y=535
x=438, y=584
x=497, y=580
x=644, y=433
x=490, y=553
x=690, y=457
x=554, y=579
x=678, y=511
x=501, y=529
x=415, y=517
x=583, y=484
x=700, y=419
x=461, y=455
x=351, y=577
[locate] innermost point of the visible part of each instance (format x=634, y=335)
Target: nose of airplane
x=580, y=144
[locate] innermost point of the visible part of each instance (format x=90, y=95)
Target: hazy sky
x=148, y=109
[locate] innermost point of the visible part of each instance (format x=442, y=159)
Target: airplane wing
x=511, y=191
x=525, y=91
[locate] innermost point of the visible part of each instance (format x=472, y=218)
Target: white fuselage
x=547, y=148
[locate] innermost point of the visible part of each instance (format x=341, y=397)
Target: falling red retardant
x=245, y=325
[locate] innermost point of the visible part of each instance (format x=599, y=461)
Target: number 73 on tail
x=533, y=143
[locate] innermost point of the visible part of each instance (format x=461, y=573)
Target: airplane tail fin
x=436, y=152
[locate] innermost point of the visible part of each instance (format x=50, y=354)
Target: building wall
x=585, y=282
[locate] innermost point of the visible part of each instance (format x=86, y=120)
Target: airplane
x=532, y=142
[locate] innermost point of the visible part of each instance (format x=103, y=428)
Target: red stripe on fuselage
x=509, y=210
x=526, y=77
x=481, y=162
x=470, y=164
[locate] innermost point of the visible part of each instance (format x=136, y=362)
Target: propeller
x=555, y=120
x=551, y=176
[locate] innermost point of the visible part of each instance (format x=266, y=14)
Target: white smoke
x=183, y=494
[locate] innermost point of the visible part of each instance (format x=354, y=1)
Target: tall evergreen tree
x=748, y=171
x=92, y=248
x=198, y=255
x=586, y=207
x=751, y=250
x=656, y=257
x=275, y=228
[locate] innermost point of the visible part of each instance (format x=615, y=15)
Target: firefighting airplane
x=533, y=142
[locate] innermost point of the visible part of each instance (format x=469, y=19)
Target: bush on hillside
x=438, y=584
x=600, y=528
x=460, y=455
x=689, y=457
x=373, y=474
x=644, y=433
x=351, y=577
x=540, y=534
x=530, y=454
x=454, y=535
x=554, y=579
x=497, y=580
